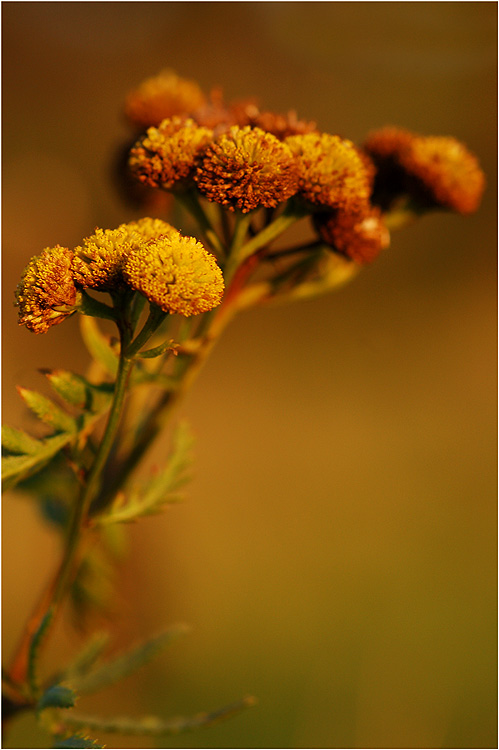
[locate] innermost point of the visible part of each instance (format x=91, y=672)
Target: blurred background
x=335, y=555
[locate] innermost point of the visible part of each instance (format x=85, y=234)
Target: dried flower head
x=360, y=235
x=166, y=155
x=98, y=263
x=331, y=171
x=282, y=126
x=246, y=168
x=46, y=293
x=436, y=171
x=446, y=172
x=175, y=273
x=388, y=142
x=162, y=96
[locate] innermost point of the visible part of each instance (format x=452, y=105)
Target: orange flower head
x=246, y=168
x=360, y=235
x=175, y=273
x=160, y=97
x=282, y=126
x=388, y=142
x=46, y=294
x=445, y=169
x=166, y=155
x=332, y=174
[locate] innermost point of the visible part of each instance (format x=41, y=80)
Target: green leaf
x=154, y=726
x=47, y=411
x=98, y=345
x=157, y=490
x=87, y=658
x=121, y=666
x=57, y=696
x=16, y=468
x=77, y=741
x=19, y=442
x=74, y=389
x=167, y=346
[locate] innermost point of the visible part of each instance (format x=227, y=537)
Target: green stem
x=288, y=217
x=190, y=201
x=82, y=506
x=240, y=231
x=156, y=317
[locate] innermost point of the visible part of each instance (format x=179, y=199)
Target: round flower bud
x=166, y=155
x=162, y=96
x=359, y=235
x=98, y=263
x=332, y=173
x=175, y=273
x=247, y=168
x=46, y=293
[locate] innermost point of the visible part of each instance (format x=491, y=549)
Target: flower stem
x=288, y=217
x=190, y=201
x=59, y=586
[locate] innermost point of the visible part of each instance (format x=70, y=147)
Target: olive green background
x=335, y=555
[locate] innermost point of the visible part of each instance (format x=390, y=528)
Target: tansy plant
x=239, y=178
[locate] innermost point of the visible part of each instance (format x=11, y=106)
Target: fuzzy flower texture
x=174, y=272
x=242, y=158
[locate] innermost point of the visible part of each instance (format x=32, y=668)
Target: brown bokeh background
x=335, y=555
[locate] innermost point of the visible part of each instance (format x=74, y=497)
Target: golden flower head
x=247, y=168
x=175, y=273
x=46, y=294
x=446, y=171
x=166, y=155
x=331, y=171
x=162, y=96
x=98, y=263
x=360, y=235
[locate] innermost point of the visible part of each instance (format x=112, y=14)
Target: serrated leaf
x=47, y=411
x=125, y=664
x=19, y=442
x=158, y=490
x=77, y=741
x=154, y=726
x=57, y=696
x=98, y=345
x=72, y=388
x=87, y=658
x=16, y=468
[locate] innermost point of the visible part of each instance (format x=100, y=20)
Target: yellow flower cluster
x=172, y=271
x=165, y=157
x=244, y=158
